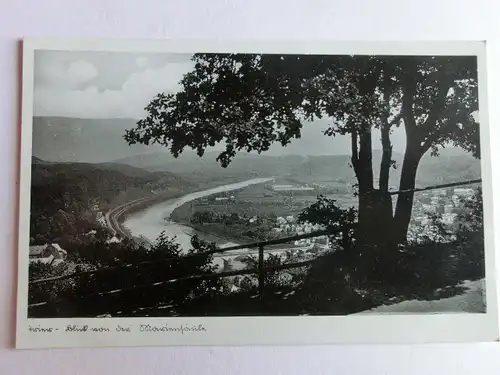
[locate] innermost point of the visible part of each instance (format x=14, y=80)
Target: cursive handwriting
x=122, y=329
x=166, y=328
x=147, y=328
x=85, y=328
x=39, y=329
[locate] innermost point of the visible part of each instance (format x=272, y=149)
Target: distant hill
x=165, y=177
x=38, y=161
x=105, y=181
x=58, y=139
x=193, y=168
x=451, y=165
x=63, y=139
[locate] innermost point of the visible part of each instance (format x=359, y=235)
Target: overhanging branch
x=444, y=84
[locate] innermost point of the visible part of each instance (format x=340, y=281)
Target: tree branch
x=444, y=84
x=434, y=137
x=409, y=87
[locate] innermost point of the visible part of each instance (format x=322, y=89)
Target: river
x=151, y=221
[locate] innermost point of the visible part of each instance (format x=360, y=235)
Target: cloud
x=59, y=74
x=142, y=62
x=81, y=72
x=128, y=102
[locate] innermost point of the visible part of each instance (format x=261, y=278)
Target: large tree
x=248, y=102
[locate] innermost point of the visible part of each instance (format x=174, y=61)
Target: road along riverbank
x=115, y=217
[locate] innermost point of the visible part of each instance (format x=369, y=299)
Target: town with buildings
x=442, y=204
x=289, y=226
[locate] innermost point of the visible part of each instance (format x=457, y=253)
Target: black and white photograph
x=218, y=183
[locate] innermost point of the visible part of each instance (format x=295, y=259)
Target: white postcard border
x=301, y=330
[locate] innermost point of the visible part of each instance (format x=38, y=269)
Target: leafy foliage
x=328, y=214
x=251, y=101
x=125, y=290
x=273, y=279
x=49, y=292
x=470, y=238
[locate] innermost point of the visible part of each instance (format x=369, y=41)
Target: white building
x=51, y=254
x=291, y=188
x=464, y=192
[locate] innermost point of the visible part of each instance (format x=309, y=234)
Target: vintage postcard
x=224, y=193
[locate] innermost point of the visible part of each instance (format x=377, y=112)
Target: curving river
x=153, y=220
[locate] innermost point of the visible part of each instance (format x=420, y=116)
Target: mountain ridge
x=449, y=166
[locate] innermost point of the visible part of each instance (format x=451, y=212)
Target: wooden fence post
x=260, y=269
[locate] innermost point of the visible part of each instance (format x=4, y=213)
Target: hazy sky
x=106, y=85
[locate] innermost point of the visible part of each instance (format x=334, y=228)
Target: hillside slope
x=64, y=195
x=450, y=166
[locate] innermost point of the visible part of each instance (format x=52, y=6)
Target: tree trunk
x=404, y=203
x=416, y=144
x=365, y=167
x=364, y=174
x=385, y=167
x=412, y=156
x=384, y=199
x=385, y=135
x=375, y=206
